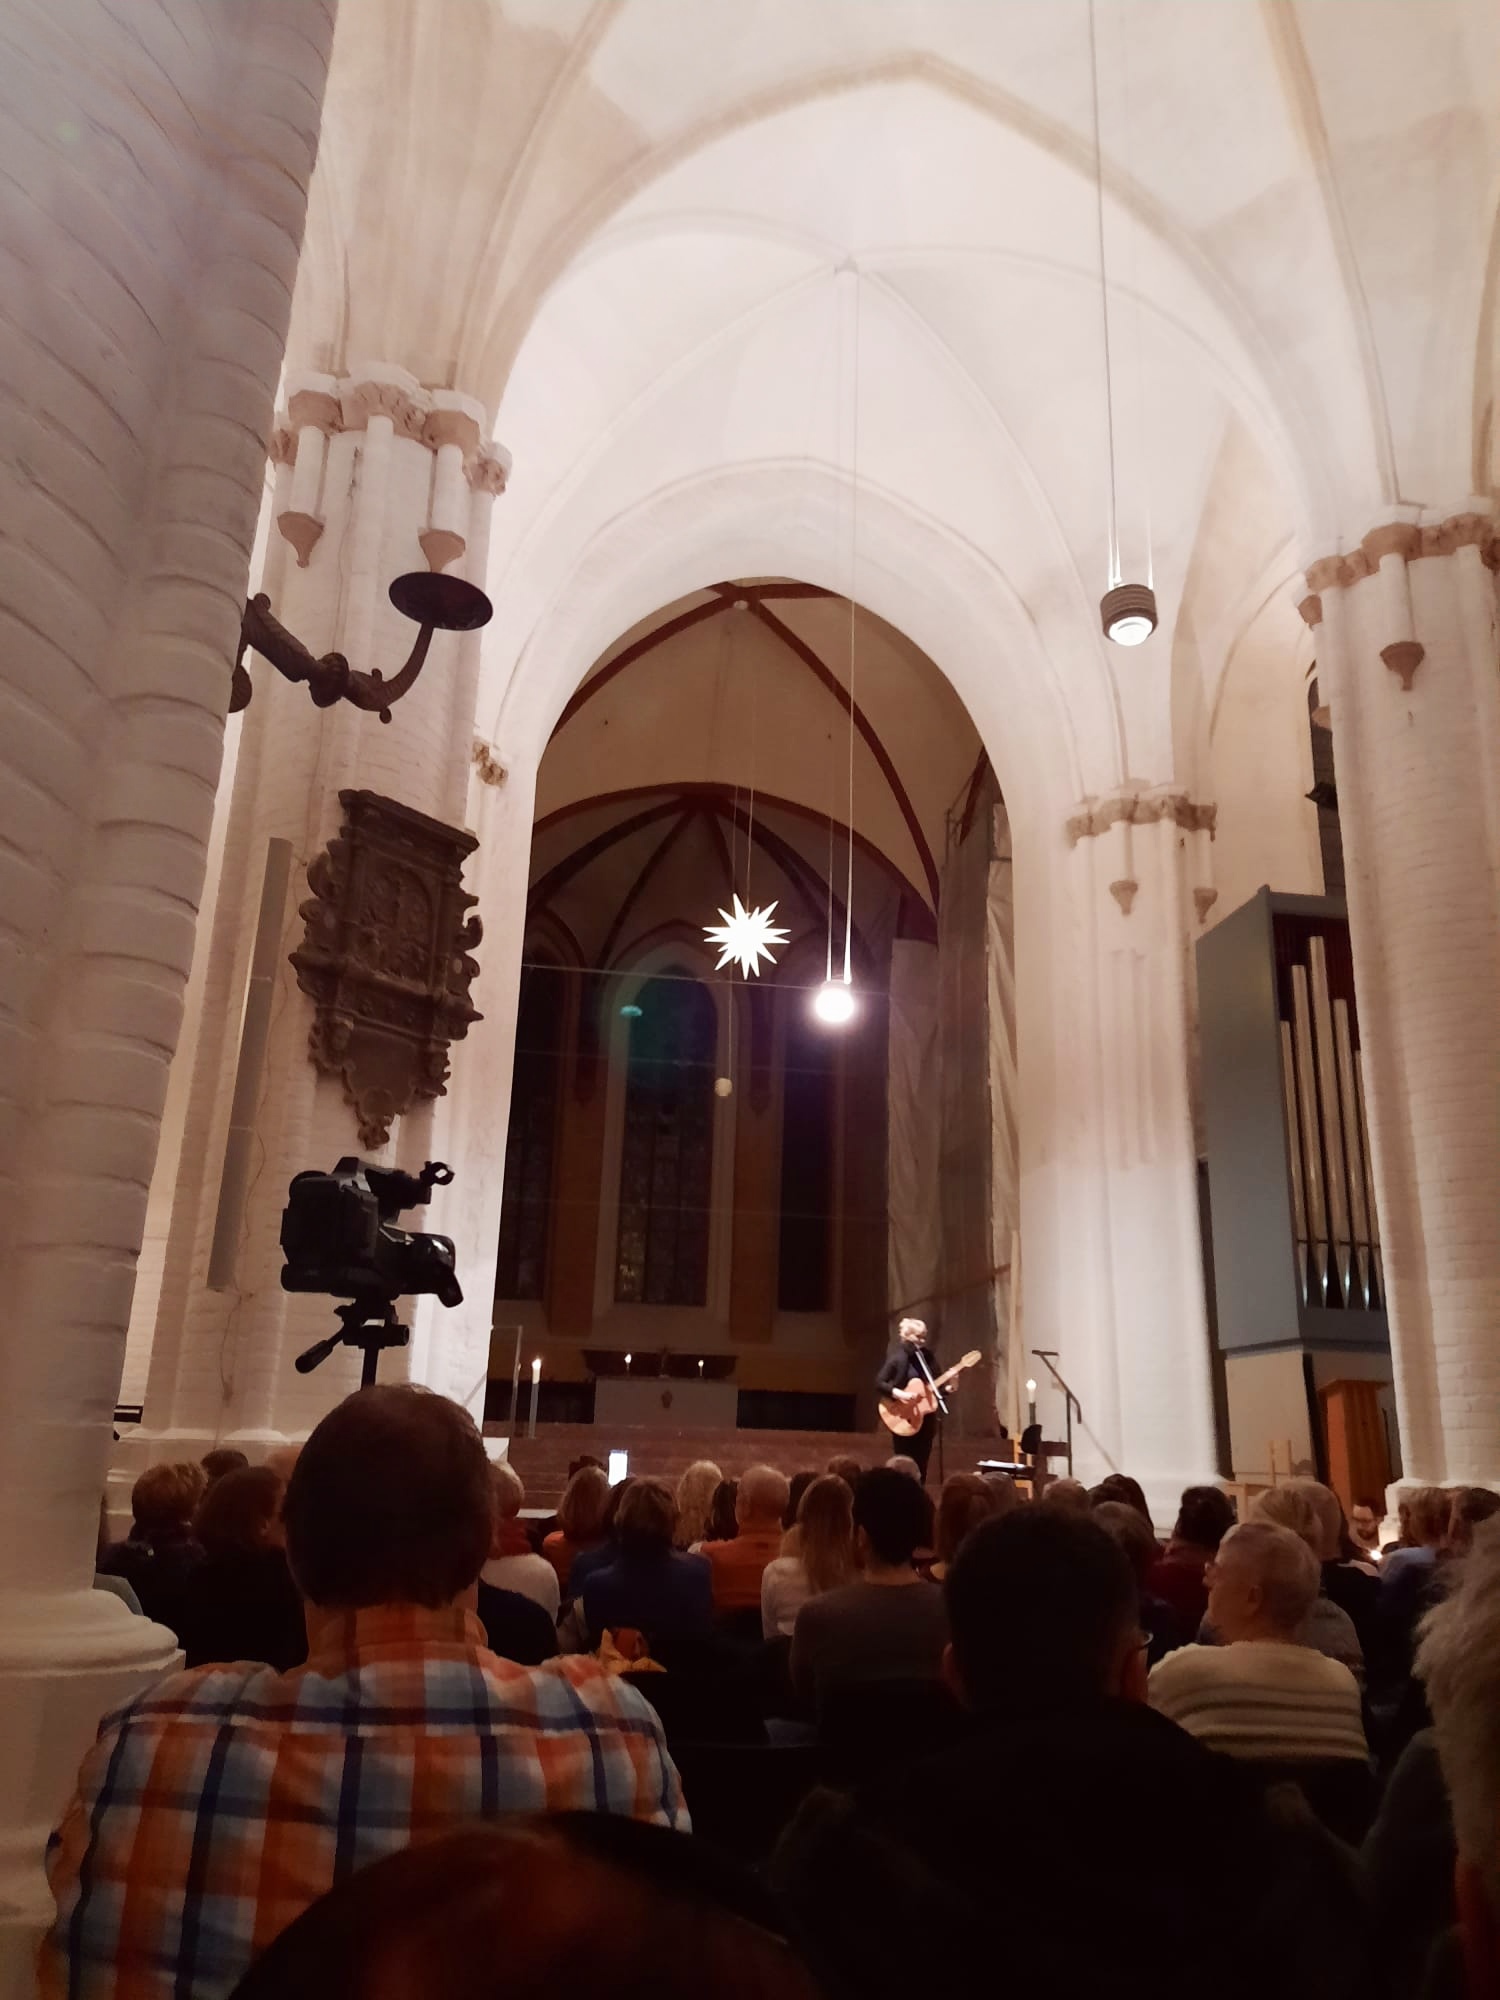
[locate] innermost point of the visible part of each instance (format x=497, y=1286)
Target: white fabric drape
x=1005, y=1175
x=912, y=1134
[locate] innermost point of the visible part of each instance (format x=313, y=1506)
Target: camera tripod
x=368, y=1324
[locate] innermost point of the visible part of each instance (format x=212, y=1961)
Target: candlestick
x=1031, y=1406
x=627, y=1364
x=536, y=1376
x=700, y=1367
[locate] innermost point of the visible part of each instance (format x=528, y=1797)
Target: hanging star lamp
x=745, y=937
x=1127, y=611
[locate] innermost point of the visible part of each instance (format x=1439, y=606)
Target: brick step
x=543, y=1461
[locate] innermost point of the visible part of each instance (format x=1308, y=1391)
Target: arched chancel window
x=526, y=1209
x=666, y=1156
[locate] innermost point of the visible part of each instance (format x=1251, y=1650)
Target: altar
x=660, y=1403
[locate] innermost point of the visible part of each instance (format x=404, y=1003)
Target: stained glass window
x=526, y=1210
x=666, y=1158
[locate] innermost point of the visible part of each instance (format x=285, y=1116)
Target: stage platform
x=661, y=1453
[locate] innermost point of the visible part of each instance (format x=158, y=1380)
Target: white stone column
x=1407, y=654
x=1112, y=1271
x=166, y=168
x=381, y=476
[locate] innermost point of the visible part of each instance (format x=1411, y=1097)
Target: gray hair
x=507, y=1488
x=1459, y=1659
x=1284, y=1566
x=763, y=1492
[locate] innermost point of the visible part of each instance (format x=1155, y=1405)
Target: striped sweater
x=1262, y=1699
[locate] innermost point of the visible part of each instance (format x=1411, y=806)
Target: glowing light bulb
x=1030, y=1388
x=536, y=1369
x=834, y=1002
x=1128, y=613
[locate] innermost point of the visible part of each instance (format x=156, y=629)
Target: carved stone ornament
x=385, y=957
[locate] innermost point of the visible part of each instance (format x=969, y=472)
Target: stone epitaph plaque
x=385, y=957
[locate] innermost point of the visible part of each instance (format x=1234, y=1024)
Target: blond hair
x=695, y=1495
x=825, y=1533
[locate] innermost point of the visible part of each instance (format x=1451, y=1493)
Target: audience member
x=891, y=1624
x=967, y=1499
x=650, y=1587
x=1204, y=1518
x=1127, y=1492
x=538, y=1909
x=1459, y=1660
x=821, y=1560
x=1470, y=1508
x=116, y=1586
x=240, y=1603
x=1327, y=1628
x=282, y=1459
x=220, y=1804
x=1423, y=1515
x=1364, y=1526
x=1198, y=1893
x=695, y=1496
x=601, y=1556
x=580, y=1521
x=161, y=1552
x=739, y=1562
x=1066, y=1496
x=1348, y=1580
x=1262, y=1692
x=723, y=1520
x=906, y=1465
x=222, y=1459
x=514, y=1564
x=1163, y=1628
x=798, y=1485
x=843, y=1466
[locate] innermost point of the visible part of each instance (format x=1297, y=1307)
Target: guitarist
x=903, y=1380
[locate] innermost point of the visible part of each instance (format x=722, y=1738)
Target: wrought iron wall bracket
x=434, y=603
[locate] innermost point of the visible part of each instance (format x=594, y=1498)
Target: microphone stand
x=942, y=1403
x=1071, y=1405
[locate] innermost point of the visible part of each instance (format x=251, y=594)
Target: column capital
x=1140, y=806
x=1412, y=541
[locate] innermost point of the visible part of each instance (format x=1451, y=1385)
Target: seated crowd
x=423, y=1745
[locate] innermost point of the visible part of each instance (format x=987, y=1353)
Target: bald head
x=762, y=1497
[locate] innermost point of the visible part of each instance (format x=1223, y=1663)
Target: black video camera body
x=337, y=1235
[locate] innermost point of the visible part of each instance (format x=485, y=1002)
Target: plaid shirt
x=216, y=1807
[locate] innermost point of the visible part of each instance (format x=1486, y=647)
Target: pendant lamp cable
x=1109, y=397
x=853, y=649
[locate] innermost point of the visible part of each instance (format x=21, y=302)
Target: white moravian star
x=747, y=936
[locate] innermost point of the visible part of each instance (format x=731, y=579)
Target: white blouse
x=784, y=1589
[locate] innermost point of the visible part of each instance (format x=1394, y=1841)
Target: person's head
x=1003, y=1487
x=1424, y=1516
x=580, y=1512
x=241, y=1512
x=1459, y=1660
x=825, y=1533
x=723, y=1520
x=1125, y=1527
x=906, y=1465
x=796, y=1487
x=1066, y=1496
x=1291, y=1506
x=1470, y=1508
x=913, y=1332
x=164, y=1500
x=223, y=1458
x=390, y=1502
x=1364, y=1523
x=1204, y=1517
x=695, y=1496
x=647, y=1519
x=762, y=1498
x=1128, y=1492
x=1262, y=1583
x=1310, y=1509
x=842, y=1466
x=282, y=1459
x=965, y=1501
x=535, y=1909
x=892, y=1519
x=576, y=1465
x=612, y=1507
x=1059, y=1578
x=507, y=1488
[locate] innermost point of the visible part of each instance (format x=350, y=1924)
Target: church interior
x=899, y=602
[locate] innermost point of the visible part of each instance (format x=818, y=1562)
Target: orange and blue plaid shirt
x=218, y=1806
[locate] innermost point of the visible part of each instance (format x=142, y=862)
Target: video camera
x=338, y=1238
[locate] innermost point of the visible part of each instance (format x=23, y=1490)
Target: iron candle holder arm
x=435, y=603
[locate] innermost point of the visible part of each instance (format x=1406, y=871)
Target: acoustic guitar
x=904, y=1413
